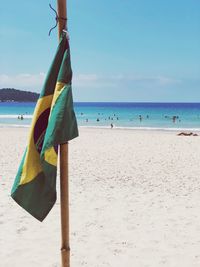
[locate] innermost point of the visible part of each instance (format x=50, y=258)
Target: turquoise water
x=131, y=115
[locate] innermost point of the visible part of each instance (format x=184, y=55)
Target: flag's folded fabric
x=53, y=123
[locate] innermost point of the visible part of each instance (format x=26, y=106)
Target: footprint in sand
x=22, y=229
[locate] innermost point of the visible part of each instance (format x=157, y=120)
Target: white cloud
x=34, y=82
x=94, y=80
x=22, y=81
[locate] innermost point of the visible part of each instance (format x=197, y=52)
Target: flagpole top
x=59, y=20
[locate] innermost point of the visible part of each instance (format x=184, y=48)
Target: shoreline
x=118, y=128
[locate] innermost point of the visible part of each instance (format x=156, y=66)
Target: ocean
x=163, y=116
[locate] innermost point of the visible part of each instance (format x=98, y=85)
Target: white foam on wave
x=4, y=125
x=15, y=116
x=144, y=128
x=160, y=128
x=14, y=126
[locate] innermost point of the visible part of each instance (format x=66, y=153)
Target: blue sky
x=132, y=50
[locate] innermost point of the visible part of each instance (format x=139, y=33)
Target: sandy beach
x=134, y=201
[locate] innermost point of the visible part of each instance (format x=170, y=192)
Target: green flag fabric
x=53, y=123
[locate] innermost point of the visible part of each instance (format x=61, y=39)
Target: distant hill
x=14, y=95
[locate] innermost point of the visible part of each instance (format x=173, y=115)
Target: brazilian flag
x=53, y=123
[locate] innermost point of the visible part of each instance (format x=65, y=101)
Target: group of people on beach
x=20, y=117
x=110, y=118
x=174, y=118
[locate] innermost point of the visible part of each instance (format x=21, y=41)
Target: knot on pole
x=65, y=249
x=65, y=255
x=57, y=18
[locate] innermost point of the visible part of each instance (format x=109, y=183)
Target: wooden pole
x=64, y=203
x=64, y=189
x=62, y=14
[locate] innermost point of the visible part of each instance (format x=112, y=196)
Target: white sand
x=135, y=202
